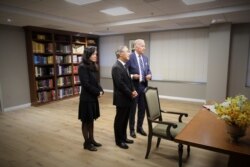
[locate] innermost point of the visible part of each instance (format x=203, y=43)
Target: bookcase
x=53, y=58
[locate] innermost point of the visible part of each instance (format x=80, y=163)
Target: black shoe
x=141, y=131
x=132, y=134
x=129, y=141
x=96, y=144
x=122, y=145
x=89, y=146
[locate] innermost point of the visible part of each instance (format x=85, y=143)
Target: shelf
x=42, y=41
x=44, y=77
x=62, y=75
x=43, y=54
x=44, y=89
x=64, y=86
x=50, y=52
x=64, y=64
x=43, y=65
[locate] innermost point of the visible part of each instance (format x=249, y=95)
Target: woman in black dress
x=90, y=91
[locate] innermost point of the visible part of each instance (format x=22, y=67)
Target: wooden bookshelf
x=53, y=58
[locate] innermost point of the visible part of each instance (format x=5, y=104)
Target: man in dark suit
x=140, y=73
x=124, y=95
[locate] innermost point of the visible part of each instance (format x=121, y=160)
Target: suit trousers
x=121, y=123
x=141, y=109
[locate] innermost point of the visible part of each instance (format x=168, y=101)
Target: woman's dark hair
x=88, y=51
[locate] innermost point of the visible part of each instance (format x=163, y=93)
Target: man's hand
x=136, y=76
x=148, y=77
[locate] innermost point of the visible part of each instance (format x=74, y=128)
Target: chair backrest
x=152, y=103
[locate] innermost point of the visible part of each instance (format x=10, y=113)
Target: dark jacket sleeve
x=119, y=81
x=84, y=75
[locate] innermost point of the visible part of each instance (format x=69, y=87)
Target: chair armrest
x=174, y=125
x=170, y=125
x=181, y=114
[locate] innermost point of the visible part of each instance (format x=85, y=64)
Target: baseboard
x=108, y=90
x=182, y=99
x=17, y=107
x=172, y=97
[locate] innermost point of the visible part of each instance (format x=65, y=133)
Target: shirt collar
x=121, y=62
x=137, y=54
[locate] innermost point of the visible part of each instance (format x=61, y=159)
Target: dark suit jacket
x=90, y=86
x=133, y=67
x=123, y=86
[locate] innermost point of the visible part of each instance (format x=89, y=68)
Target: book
x=77, y=49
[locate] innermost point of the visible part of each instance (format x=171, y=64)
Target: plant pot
x=235, y=132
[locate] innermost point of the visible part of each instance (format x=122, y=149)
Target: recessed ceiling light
x=117, y=11
x=82, y=2
x=9, y=20
x=194, y=2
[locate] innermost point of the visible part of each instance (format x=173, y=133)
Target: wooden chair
x=159, y=128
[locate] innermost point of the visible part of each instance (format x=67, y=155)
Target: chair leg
x=188, y=150
x=180, y=151
x=158, y=142
x=149, y=145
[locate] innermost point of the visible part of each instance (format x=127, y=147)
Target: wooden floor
x=50, y=136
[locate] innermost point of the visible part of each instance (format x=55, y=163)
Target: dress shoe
x=132, y=134
x=89, y=146
x=129, y=141
x=96, y=144
x=122, y=145
x=142, y=132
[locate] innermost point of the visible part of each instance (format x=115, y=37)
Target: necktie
x=126, y=68
x=142, y=69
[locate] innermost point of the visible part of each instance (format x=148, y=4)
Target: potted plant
x=235, y=111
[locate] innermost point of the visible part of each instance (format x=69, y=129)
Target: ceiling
x=149, y=15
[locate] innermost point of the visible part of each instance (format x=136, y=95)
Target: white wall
x=13, y=67
x=218, y=59
x=180, y=55
x=213, y=86
x=240, y=53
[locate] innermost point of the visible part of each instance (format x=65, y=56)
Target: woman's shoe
x=89, y=146
x=96, y=144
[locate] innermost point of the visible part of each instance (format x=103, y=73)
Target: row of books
x=76, y=79
x=64, y=81
x=77, y=59
x=42, y=71
x=38, y=59
x=45, y=96
x=44, y=84
x=60, y=48
x=42, y=47
x=75, y=69
x=77, y=49
x=61, y=93
x=77, y=89
x=62, y=70
x=63, y=59
x=40, y=37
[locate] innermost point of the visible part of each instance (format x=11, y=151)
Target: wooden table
x=207, y=132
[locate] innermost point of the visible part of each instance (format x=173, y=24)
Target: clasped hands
x=134, y=94
x=101, y=93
